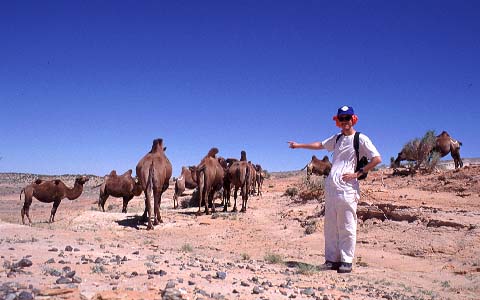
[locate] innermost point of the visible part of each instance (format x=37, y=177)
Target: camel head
x=212, y=152
x=81, y=180
x=243, y=156
x=157, y=146
x=222, y=162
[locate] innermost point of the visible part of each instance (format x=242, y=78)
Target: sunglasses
x=344, y=118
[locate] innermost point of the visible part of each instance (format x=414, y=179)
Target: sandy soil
x=418, y=238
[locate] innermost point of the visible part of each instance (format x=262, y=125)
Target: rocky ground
x=418, y=238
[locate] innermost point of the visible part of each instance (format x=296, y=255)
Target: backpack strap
x=338, y=137
x=356, y=146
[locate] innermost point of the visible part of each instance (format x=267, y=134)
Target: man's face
x=345, y=121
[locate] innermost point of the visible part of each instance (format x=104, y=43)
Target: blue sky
x=85, y=86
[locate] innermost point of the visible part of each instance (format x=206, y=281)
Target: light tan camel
x=48, y=192
x=153, y=172
x=210, y=174
x=446, y=144
x=123, y=186
x=318, y=167
x=238, y=176
x=186, y=180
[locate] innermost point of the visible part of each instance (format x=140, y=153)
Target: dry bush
x=419, y=152
x=313, y=189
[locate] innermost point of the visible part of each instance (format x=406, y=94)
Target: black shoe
x=330, y=265
x=345, y=268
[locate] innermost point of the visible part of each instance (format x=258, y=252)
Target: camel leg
x=226, y=200
x=54, y=210
x=211, y=202
x=206, y=197
x=148, y=210
x=156, y=207
x=175, y=200
x=101, y=201
x=126, y=199
x=235, y=193
x=244, y=199
x=26, y=211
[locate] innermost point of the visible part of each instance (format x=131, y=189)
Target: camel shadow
x=131, y=221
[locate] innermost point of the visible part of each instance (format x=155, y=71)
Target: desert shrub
x=245, y=256
x=291, y=192
x=419, y=152
x=273, y=258
x=307, y=269
x=312, y=189
x=187, y=248
x=97, y=268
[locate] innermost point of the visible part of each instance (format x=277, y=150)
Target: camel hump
x=325, y=158
x=113, y=173
x=128, y=172
x=243, y=156
x=212, y=152
x=314, y=157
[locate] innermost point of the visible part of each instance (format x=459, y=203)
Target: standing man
x=342, y=189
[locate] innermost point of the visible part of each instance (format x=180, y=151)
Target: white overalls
x=340, y=228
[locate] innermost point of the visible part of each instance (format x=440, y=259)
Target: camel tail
x=22, y=191
x=151, y=174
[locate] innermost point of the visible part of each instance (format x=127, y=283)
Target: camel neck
x=75, y=192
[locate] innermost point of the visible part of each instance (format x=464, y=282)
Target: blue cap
x=345, y=110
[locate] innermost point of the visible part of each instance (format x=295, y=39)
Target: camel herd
x=153, y=173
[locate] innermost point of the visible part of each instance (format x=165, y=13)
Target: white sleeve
x=330, y=142
x=366, y=147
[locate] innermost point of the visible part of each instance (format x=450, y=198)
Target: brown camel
x=318, y=167
x=186, y=180
x=153, y=172
x=124, y=186
x=238, y=176
x=259, y=178
x=210, y=175
x=48, y=192
x=445, y=144
x=252, y=179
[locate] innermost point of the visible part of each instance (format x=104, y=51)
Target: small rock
x=50, y=261
x=24, y=262
x=70, y=274
x=308, y=292
x=244, y=283
x=221, y=275
x=170, y=284
x=76, y=279
x=25, y=296
x=69, y=248
x=53, y=249
x=63, y=280
x=257, y=290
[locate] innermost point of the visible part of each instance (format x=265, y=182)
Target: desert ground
x=418, y=238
